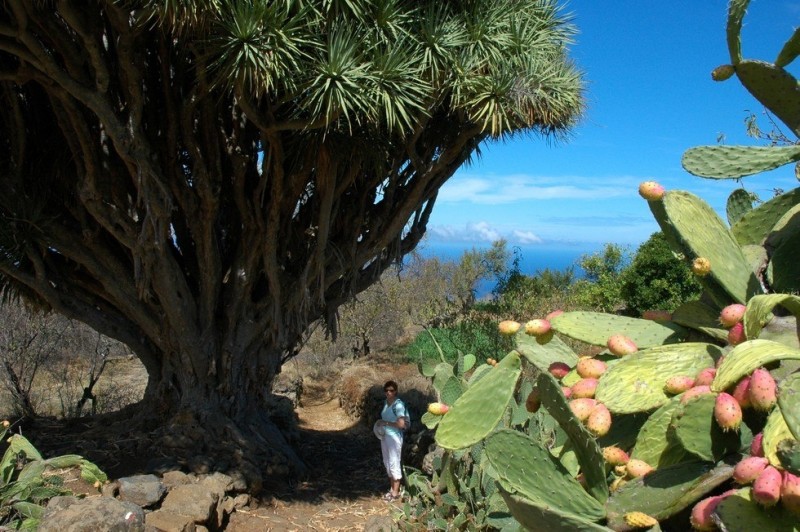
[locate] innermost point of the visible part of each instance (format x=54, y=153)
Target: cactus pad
x=738, y=512
x=537, y=516
x=657, y=444
x=784, y=228
x=451, y=391
x=733, y=162
x=700, y=232
x=775, y=88
x=789, y=403
x=739, y=203
x=783, y=271
x=775, y=431
x=585, y=446
x=788, y=452
x=665, y=491
x=699, y=433
x=542, y=355
x=596, y=327
x=759, y=311
x=636, y=382
x=525, y=467
x=746, y=357
x=790, y=50
x=699, y=316
x=478, y=411
x=755, y=226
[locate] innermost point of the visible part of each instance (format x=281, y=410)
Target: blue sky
x=649, y=98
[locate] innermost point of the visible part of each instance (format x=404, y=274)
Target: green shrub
x=476, y=336
x=657, y=279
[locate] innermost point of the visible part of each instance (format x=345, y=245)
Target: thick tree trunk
x=226, y=415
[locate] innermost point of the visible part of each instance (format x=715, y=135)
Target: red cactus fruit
x=567, y=391
x=590, y=368
x=554, y=314
x=651, y=190
x=615, y=456
x=741, y=392
x=599, y=420
x=702, y=512
x=582, y=407
x=790, y=492
x=620, y=345
x=727, y=412
x=757, y=445
x=534, y=401
x=678, y=384
x=638, y=468
x=767, y=487
x=537, y=327
x=736, y=334
x=693, y=392
x=438, y=409
x=558, y=369
x=731, y=315
x=705, y=377
x=584, y=388
x=748, y=469
x=763, y=390
x=508, y=327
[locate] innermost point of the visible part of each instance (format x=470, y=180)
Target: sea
x=533, y=258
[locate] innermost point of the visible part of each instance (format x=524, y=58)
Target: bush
x=477, y=336
x=657, y=279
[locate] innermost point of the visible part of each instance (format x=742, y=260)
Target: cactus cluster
x=686, y=419
x=28, y=480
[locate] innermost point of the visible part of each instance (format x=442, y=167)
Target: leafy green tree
x=599, y=290
x=657, y=279
x=202, y=179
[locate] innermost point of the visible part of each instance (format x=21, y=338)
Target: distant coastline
x=533, y=257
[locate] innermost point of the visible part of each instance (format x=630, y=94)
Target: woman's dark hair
x=390, y=384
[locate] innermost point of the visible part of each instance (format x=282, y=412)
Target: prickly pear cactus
x=658, y=426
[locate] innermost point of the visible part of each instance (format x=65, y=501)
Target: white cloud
x=495, y=190
x=526, y=237
x=482, y=232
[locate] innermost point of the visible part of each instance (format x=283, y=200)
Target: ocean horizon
x=533, y=258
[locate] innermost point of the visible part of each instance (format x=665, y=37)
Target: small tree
x=657, y=279
x=600, y=288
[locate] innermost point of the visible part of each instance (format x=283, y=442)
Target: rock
x=160, y=520
x=192, y=500
x=218, y=482
x=93, y=514
x=176, y=478
x=143, y=490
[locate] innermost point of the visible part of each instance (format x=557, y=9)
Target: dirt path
x=345, y=486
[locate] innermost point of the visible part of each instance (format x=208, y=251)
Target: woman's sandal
x=388, y=497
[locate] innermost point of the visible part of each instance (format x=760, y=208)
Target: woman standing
x=394, y=420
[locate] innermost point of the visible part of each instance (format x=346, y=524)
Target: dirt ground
x=345, y=486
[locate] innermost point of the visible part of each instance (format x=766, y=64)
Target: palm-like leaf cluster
x=388, y=63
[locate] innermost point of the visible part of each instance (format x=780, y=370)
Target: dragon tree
x=200, y=180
